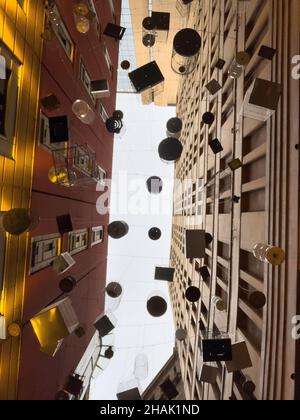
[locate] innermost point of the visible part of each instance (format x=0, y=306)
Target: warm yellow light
x=56, y=177
x=81, y=9
x=82, y=24
x=49, y=328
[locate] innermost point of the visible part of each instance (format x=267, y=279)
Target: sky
x=132, y=259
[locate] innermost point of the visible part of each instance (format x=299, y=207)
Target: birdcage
x=75, y=165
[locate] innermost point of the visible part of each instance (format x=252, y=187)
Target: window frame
x=94, y=230
x=73, y=250
x=60, y=30
x=96, y=23
x=108, y=61
x=102, y=112
x=45, y=262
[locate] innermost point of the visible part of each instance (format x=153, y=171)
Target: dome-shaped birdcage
x=156, y=304
x=154, y=234
x=218, y=303
x=141, y=367
x=193, y=294
x=181, y=334
x=170, y=150
x=125, y=65
x=113, y=299
x=118, y=229
x=208, y=118
x=83, y=111
x=148, y=40
x=67, y=284
x=257, y=299
x=186, y=47
x=16, y=221
x=174, y=127
x=114, y=289
x=154, y=185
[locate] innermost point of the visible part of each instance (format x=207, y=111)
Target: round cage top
x=148, y=40
x=157, y=306
x=170, y=149
x=125, y=65
x=193, y=294
x=174, y=125
x=148, y=24
x=118, y=229
x=154, y=234
x=16, y=221
x=181, y=334
x=187, y=42
x=257, y=299
x=154, y=185
x=67, y=284
x=114, y=289
x=118, y=114
x=208, y=118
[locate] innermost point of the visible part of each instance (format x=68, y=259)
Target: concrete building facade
x=265, y=208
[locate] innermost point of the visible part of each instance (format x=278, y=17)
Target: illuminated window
x=8, y=100
x=97, y=235
x=44, y=249
x=78, y=241
x=63, y=37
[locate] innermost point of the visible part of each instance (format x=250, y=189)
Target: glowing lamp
x=53, y=324
x=82, y=24
x=80, y=9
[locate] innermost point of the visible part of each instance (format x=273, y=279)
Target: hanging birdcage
x=75, y=165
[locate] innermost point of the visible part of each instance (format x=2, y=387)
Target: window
x=102, y=112
x=100, y=175
x=112, y=9
x=78, y=241
x=63, y=36
x=97, y=236
x=8, y=101
x=108, y=61
x=96, y=19
x=44, y=135
x=85, y=78
x=44, y=249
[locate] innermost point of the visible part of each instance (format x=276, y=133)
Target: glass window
x=78, y=241
x=44, y=249
x=97, y=235
x=108, y=61
x=63, y=36
x=102, y=112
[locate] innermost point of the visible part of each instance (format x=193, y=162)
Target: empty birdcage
x=186, y=47
x=75, y=165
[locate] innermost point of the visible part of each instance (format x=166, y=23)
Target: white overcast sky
x=132, y=259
